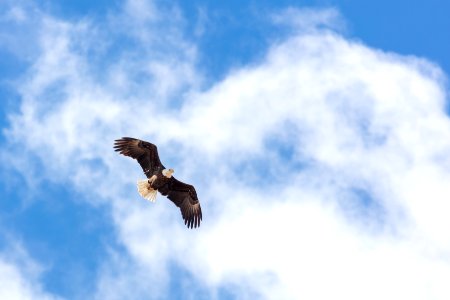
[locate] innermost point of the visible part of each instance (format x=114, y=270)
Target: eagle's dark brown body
x=183, y=195
x=161, y=183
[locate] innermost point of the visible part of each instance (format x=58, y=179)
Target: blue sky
x=315, y=132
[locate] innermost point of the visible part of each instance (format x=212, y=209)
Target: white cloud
x=350, y=120
x=19, y=276
x=307, y=19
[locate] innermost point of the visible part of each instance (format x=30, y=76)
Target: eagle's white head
x=168, y=172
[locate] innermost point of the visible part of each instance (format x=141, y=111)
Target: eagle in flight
x=161, y=179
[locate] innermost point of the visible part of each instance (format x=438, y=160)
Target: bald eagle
x=160, y=179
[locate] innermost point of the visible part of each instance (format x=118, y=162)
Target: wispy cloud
x=20, y=275
x=308, y=19
x=322, y=170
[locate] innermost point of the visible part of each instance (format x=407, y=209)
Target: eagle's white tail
x=146, y=191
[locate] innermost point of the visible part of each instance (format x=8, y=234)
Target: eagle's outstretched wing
x=185, y=197
x=144, y=152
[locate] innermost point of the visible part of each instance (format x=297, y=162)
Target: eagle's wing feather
x=144, y=152
x=185, y=197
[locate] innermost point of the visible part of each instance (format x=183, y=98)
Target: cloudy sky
x=316, y=133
